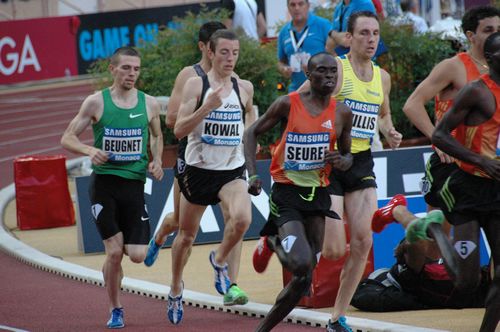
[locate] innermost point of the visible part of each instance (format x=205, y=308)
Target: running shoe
x=152, y=254
x=261, y=255
x=417, y=229
x=222, y=281
x=174, y=309
x=383, y=216
x=116, y=319
x=338, y=326
x=235, y=296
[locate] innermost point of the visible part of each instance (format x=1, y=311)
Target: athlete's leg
x=235, y=197
x=334, y=244
x=171, y=222
x=233, y=259
x=360, y=206
x=492, y=313
x=112, y=269
x=189, y=223
x=296, y=250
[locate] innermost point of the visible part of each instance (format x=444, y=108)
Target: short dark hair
x=355, y=16
x=207, y=29
x=471, y=18
x=125, y=50
x=221, y=34
x=489, y=45
x=314, y=59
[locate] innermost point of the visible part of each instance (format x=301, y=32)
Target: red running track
x=32, y=122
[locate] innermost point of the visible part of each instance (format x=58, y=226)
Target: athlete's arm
x=176, y=96
x=278, y=110
x=441, y=76
x=91, y=110
x=156, y=137
x=472, y=106
x=342, y=159
x=386, y=126
x=189, y=117
x=250, y=115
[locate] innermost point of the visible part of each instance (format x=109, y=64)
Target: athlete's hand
x=394, y=138
x=156, y=170
x=254, y=185
x=338, y=161
x=97, y=156
x=214, y=99
x=445, y=159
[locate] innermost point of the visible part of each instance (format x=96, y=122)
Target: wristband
x=253, y=177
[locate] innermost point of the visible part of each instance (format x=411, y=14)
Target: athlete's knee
x=114, y=255
x=240, y=223
x=185, y=239
x=137, y=257
x=299, y=266
x=361, y=245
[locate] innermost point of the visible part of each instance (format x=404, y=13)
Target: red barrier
x=42, y=193
x=326, y=280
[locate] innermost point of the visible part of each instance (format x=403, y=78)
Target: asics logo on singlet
x=133, y=116
x=233, y=106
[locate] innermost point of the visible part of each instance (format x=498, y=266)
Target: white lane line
x=13, y=329
x=37, y=126
x=88, y=141
x=40, y=116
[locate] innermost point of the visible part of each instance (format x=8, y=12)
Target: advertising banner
x=397, y=172
x=101, y=34
x=37, y=49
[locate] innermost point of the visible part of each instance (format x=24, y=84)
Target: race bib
x=123, y=144
x=305, y=152
x=364, y=118
x=223, y=128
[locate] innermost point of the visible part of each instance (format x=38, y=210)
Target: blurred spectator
x=337, y=42
x=247, y=15
x=304, y=36
x=411, y=16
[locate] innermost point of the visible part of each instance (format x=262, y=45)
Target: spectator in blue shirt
x=337, y=41
x=304, y=36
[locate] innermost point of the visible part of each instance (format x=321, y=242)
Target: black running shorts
x=201, y=186
x=436, y=174
x=465, y=197
x=359, y=176
x=289, y=202
x=118, y=206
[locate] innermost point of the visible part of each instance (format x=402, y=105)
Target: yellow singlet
x=365, y=100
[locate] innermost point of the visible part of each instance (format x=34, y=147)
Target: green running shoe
x=417, y=229
x=235, y=296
